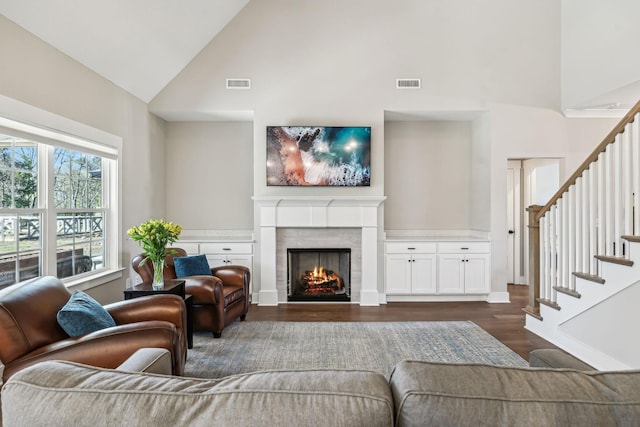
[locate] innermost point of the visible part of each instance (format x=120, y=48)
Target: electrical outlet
x=137, y=279
x=128, y=283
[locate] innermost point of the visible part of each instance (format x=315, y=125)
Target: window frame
x=50, y=130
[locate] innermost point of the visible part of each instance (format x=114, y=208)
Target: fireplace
x=329, y=222
x=319, y=274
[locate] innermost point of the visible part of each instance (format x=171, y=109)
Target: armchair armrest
x=165, y=307
x=233, y=275
x=108, y=348
x=170, y=308
x=148, y=360
x=205, y=289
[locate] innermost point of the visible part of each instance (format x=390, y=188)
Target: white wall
x=35, y=73
x=480, y=188
x=599, y=49
x=545, y=181
x=307, y=57
x=210, y=175
x=604, y=326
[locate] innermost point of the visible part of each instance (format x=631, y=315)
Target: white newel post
x=318, y=213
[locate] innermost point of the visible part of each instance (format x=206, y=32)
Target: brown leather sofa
x=30, y=333
x=218, y=300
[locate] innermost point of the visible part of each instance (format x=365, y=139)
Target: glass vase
x=158, y=279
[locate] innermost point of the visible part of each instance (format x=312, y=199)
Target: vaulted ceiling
x=140, y=45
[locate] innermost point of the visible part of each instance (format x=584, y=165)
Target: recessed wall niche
x=427, y=175
x=209, y=175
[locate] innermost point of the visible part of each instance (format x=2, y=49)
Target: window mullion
x=49, y=217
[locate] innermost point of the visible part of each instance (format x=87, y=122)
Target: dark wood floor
x=503, y=321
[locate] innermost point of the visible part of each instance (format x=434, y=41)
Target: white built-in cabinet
x=410, y=268
x=219, y=254
x=463, y=267
x=437, y=268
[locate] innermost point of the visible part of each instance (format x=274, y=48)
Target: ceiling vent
x=238, y=83
x=408, y=84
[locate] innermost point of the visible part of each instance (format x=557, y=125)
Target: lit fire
x=321, y=281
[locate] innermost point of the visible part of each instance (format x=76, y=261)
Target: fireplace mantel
x=319, y=200
x=318, y=212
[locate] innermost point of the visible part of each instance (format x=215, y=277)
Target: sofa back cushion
x=481, y=395
x=28, y=316
x=61, y=392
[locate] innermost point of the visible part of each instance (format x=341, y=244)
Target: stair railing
x=589, y=219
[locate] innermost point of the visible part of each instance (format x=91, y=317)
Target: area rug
x=378, y=346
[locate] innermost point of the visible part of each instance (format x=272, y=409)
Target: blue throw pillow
x=82, y=315
x=193, y=265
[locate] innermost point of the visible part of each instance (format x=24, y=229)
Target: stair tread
x=533, y=313
x=615, y=260
x=567, y=291
x=590, y=277
x=549, y=303
x=631, y=238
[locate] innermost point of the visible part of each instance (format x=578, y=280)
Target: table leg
x=188, y=299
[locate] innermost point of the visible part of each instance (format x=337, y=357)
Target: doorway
x=529, y=182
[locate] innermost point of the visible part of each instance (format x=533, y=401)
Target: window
x=20, y=241
x=58, y=205
x=77, y=198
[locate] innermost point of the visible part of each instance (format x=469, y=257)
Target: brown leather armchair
x=218, y=300
x=29, y=330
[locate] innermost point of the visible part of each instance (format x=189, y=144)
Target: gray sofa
x=418, y=394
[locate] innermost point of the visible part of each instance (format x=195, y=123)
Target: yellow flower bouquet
x=154, y=236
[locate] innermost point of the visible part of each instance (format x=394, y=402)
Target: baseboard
x=369, y=298
x=436, y=298
x=498, y=297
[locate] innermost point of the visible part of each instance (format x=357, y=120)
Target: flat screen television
x=318, y=156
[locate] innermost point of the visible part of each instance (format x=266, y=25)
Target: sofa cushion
x=555, y=358
x=481, y=395
x=193, y=265
x=61, y=392
x=82, y=315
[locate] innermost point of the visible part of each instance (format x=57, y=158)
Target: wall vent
x=238, y=83
x=408, y=84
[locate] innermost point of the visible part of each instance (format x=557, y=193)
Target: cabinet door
x=476, y=279
x=221, y=260
x=423, y=274
x=244, y=260
x=451, y=274
x=216, y=260
x=398, y=274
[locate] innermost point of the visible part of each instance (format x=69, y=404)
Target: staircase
x=585, y=256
